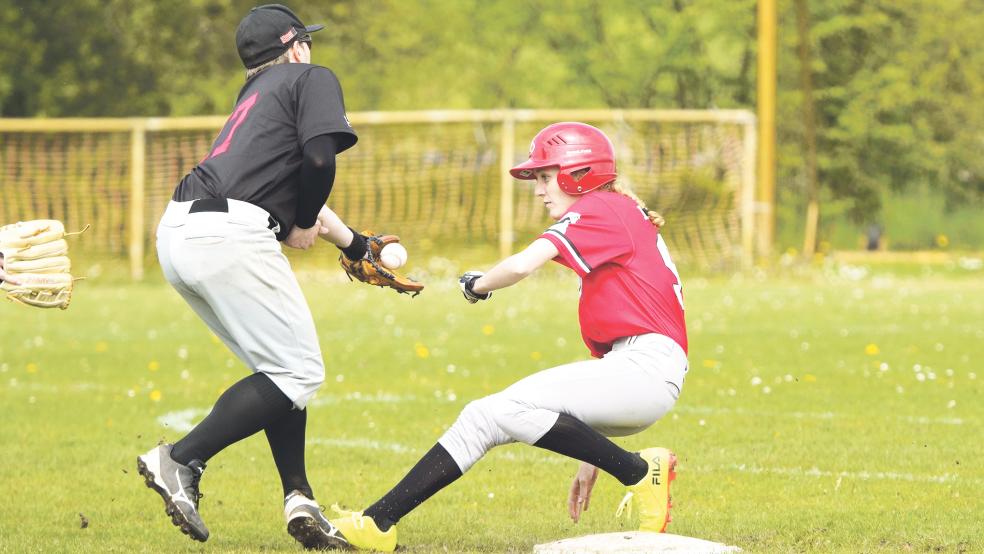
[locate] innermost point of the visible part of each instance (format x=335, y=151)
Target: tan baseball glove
x=368, y=269
x=36, y=267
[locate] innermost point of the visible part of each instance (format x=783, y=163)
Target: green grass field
x=822, y=412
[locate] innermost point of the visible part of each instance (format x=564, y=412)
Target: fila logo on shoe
x=656, y=470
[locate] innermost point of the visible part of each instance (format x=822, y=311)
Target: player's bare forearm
x=517, y=267
x=506, y=273
x=333, y=229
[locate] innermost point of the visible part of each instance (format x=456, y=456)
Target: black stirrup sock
x=436, y=470
x=574, y=438
x=244, y=409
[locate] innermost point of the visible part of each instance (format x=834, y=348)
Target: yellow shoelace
x=357, y=518
x=625, y=506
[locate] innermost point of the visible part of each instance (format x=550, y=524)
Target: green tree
x=542, y=54
x=896, y=83
x=116, y=57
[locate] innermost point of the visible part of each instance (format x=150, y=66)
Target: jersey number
x=236, y=119
x=677, y=287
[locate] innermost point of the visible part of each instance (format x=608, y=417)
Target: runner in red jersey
x=629, y=283
x=632, y=320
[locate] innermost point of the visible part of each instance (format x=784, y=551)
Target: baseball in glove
x=36, y=268
x=369, y=270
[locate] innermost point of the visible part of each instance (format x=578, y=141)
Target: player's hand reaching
x=467, y=284
x=367, y=266
x=302, y=239
x=580, y=495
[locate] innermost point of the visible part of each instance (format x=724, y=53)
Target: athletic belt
x=221, y=205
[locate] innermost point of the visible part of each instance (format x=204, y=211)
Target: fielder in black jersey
x=258, y=156
x=264, y=181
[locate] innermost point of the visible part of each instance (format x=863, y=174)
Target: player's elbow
x=319, y=161
x=524, y=266
x=524, y=263
x=518, y=268
x=319, y=153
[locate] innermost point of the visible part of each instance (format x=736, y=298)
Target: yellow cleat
x=651, y=495
x=362, y=532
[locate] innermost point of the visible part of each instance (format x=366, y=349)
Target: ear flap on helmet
x=568, y=184
x=589, y=181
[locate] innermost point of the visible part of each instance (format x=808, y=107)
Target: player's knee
x=310, y=375
x=308, y=382
x=477, y=413
x=473, y=434
x=522, y=419
x=316, y=374
x=512, y=415
x=503, y=419
x=480, y=416
x=476, y=426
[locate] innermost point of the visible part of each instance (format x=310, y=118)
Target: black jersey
x=257, y=156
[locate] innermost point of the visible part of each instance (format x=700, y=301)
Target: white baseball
x=393, y=256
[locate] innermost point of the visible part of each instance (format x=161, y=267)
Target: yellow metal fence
x=424, y=173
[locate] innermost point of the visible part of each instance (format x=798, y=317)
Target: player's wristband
x=470, y=285
x=467, y=284
x=357, y=249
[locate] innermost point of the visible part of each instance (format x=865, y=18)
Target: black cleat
x=309, y=526
x=178, y=486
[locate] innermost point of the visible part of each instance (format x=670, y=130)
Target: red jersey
x=629, y=284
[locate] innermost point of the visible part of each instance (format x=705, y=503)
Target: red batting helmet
x=570, y=147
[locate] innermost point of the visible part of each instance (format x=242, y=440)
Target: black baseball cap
x=267, y=32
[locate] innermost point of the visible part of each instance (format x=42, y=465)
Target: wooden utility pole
x=766, y=79
x=809, y=131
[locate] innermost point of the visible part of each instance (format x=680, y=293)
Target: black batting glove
x=467, y=283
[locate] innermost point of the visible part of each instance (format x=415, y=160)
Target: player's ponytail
x=653, y=216
x=614, y=186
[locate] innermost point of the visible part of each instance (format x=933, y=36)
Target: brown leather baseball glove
x=369, y=270
x=36, y=264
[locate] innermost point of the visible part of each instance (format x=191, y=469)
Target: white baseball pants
x=620, y=394
x=230, y=269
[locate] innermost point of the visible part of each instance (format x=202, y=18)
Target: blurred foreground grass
x=825, y=410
